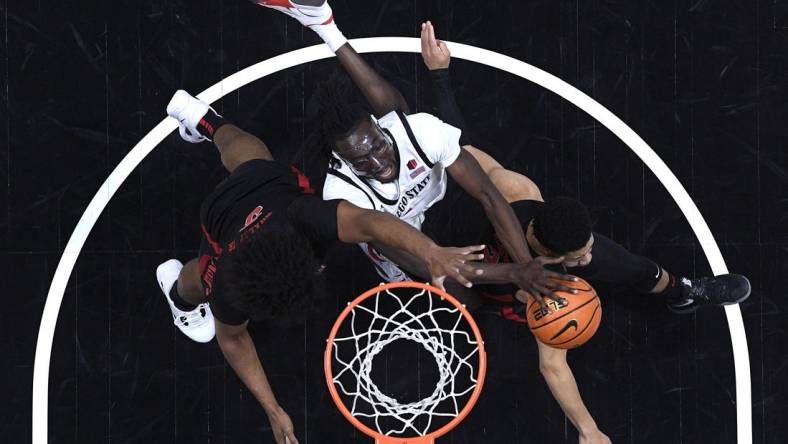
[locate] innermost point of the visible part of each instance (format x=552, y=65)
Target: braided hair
x=341, y=107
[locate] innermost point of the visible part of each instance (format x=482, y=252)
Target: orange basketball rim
x=447, y=305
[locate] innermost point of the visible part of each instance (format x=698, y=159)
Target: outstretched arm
x=356, y=225
x=239, y=350
x=380, y=94
x=561, y=381
x=522, y=275
x=437, y=57
x=478, y=181
x=466, y=170
x=470, y=176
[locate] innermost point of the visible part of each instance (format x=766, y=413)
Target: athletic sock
x=673, y=291
x=327, y=30
x=330, y=34
x=209, y=123
x=178, y=301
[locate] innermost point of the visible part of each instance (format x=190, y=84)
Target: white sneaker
x=196, y=324
x=306, y=15
x=188, y=111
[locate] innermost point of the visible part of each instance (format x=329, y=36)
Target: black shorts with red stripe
x=258, y=194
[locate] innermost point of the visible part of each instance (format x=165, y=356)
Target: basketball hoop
x=421, y=314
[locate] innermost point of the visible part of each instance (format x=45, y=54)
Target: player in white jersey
x=425, y=147
x=384, y=159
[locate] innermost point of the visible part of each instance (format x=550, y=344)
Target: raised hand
x=282, y=427
x=435, y=53
x=444, y=262
x=594, y=437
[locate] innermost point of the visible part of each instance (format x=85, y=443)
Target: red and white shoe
x=307, y=15
x=188, y=111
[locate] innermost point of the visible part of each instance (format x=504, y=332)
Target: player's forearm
x=563, y=386
x=491, y=273
x=507, y=227
x=380, y=94
x=242, y=356
x=392, y=234
x=404, y=260
x=445, y=101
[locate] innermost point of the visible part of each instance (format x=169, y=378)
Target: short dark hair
x=562, y=224
x=341, y=107
x=274, y=276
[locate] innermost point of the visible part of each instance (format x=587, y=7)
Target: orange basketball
x=569, y=325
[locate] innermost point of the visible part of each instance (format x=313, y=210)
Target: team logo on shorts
x=252, y=217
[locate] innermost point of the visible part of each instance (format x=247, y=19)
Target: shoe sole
x=745, y=296
x=159, y=270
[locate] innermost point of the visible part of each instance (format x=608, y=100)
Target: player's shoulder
x=424, y=122
x=423, y=119
x=341, y=186
x=337, y=180
x=417, y=121
x=526, y=209
x=427, y=133
x=389, y=120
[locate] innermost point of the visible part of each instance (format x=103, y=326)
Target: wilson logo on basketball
x=552, y=305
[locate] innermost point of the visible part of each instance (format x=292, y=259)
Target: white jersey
x=426, y=146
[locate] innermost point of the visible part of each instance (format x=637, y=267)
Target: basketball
x=569, y=325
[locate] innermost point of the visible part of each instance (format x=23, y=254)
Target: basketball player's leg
x=189, y=283
x=198, y=122
x=513, y=185
x=614, y=264
x=238, y=146
x=318, y=16
x=182, y=285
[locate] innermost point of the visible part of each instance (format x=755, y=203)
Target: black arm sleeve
x=448, y=111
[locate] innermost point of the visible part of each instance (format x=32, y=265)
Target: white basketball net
x=371, y=331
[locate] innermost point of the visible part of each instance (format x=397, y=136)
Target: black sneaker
x=725, y=289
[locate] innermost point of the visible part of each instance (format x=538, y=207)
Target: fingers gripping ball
x=569, y=325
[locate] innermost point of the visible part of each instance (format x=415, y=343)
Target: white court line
x=519, y=68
